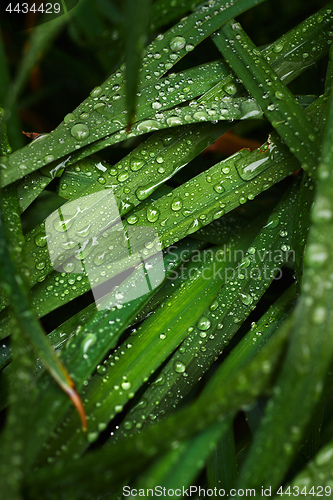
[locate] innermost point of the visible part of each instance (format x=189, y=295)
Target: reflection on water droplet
x=136, y=164
x=41, y=240
x=177, y=43
x=80, y=131
x=48, y=158
x=246, y=298
x=147, y=126
x=133, y=219
x=273, y=221
x=126, y=385
x=88, y=341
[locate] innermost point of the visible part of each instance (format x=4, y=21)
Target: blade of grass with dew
x=114, y=464
x=76, y=131
x=311, y=340
x=223, y=187
x=75, y=333
x=206, y=348
x=148, y=349
x=162, y=332
x=277, y=101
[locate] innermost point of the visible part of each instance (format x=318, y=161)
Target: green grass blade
x=311, y=340
x=221, y=468
x=136, y=26
x=77, y=132
x=238, y=389
x=278, y=103
x=178, y=469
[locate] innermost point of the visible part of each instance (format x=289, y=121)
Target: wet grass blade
x=276, y=100
x=311, y=340
x=13, y=280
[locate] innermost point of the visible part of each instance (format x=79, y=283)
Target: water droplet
x=92, y=436
x=249, y=170
x=179, y=367
x=147, y=126
x=273, y=221
x=201, y=116
x=160, y=159
x=204, y=324
x=279, y=94
x=230, y=88
x=176, y=205
x=41, y=240
x=278, y=47
x=173, y=121
x=122, y=177
x=319, y=315
x=316, y=254
x=136, y=164
x=132, y=219
x=177, y=43
x=80, y=131
x=48, y=158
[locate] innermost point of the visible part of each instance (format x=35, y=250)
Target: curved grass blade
x=278, y=103
x=311, y=340
x=77, y=132
x=136, y=18
x=199, y=350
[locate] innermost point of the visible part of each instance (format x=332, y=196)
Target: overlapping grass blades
x=215, y=377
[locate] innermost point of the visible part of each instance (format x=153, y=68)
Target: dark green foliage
x=218, y=373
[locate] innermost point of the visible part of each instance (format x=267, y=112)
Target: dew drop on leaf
x=177, y=43
x=80, y=131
